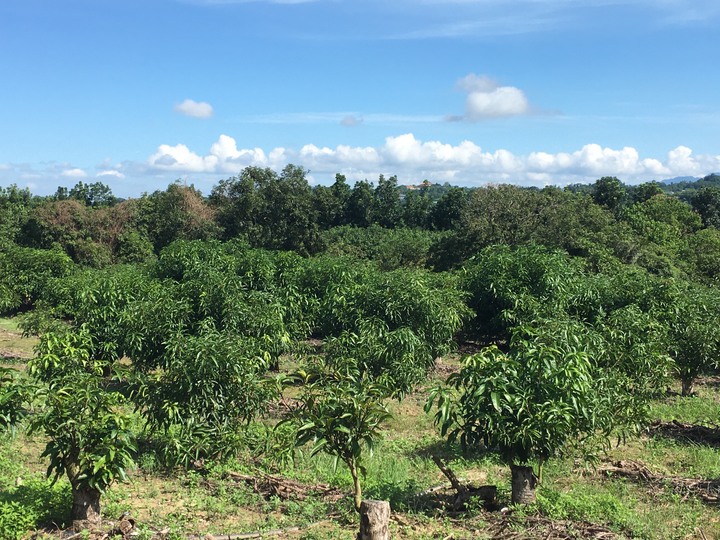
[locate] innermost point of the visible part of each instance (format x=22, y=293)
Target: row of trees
x=607, y=223
x=572, y=355
x=585, y=303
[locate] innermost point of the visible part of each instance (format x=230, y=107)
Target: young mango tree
x=508, y=286
x=633, y=350
x=528, y=405
x=208, y=386
x=342, y=405
x=341, y=412
x=89, y=437
x=694, y=334
x=14, y=397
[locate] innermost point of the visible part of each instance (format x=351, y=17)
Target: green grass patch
x=701, y=408
x=13, y=346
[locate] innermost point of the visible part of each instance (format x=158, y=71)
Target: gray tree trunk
x=86, y=509
x=523, y=484
x=374, y=520
x=688, y=385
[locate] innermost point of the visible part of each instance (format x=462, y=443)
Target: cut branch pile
x=269, y=485
x=538, y=527
x=696, y=433
x=706, y=490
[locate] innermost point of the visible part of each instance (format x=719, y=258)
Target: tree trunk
x=688, y=385
x=86, y=508
x=374, y=520
x=357, y=489
x=523, y=484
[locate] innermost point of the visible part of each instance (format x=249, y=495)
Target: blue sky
x=140, y=93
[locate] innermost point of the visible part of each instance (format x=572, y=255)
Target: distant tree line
x=669, y=229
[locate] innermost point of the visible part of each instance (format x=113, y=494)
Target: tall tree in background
x=270, y=210
x=179, y=212
x=448, y=210
x=287, y=216
x=609, y=192
x=386, y=211
x=706, y=202
x=645, y=191
x=359, y=204
x=237, y=201
x=330, y=203
x=415, y=209
x=95, y=194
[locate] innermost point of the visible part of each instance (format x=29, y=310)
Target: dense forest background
x=667, y=229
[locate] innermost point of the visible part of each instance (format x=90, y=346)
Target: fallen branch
x=706, y=490
x=269, y=485
x=510, y=527
x=464, y=492
x=246, y=536
x=697, y=433
x=450, y=475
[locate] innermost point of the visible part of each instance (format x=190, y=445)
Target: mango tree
x=529, y=404
x=510, y=286
x=15, y=395
x=633, y=350
x=387, y=336
x=208, y=386
x=341, y=412
x=694, y=334
x=25, y=273
x=89, y=438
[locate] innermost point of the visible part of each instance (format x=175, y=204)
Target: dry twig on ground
x=270, y=485
x=706, y=490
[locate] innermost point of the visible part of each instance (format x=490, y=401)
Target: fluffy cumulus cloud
x=73, y=173
x=593, y=159
x=224, y=157
x=196, y=109
x=110, y=174
x=487, y=99
x=464, y=163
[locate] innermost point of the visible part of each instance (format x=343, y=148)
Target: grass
x=14, y=348
x=191, y=502
x=703, y=407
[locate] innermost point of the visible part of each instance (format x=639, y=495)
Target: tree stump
x=374, y=520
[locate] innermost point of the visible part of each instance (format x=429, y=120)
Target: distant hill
x=685, y=189
x=679, y=179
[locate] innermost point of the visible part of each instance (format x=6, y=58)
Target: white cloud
x=111, y=173
x=73, y=173
x=594, y=160
x=351, y=120
x=196, y=109
x=487, y=99
x=466, y=163
x=224, y=157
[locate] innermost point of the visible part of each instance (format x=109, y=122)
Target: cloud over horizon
x=466, y=163
x=406, y=156
x=74, y=173
x=194, y=109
